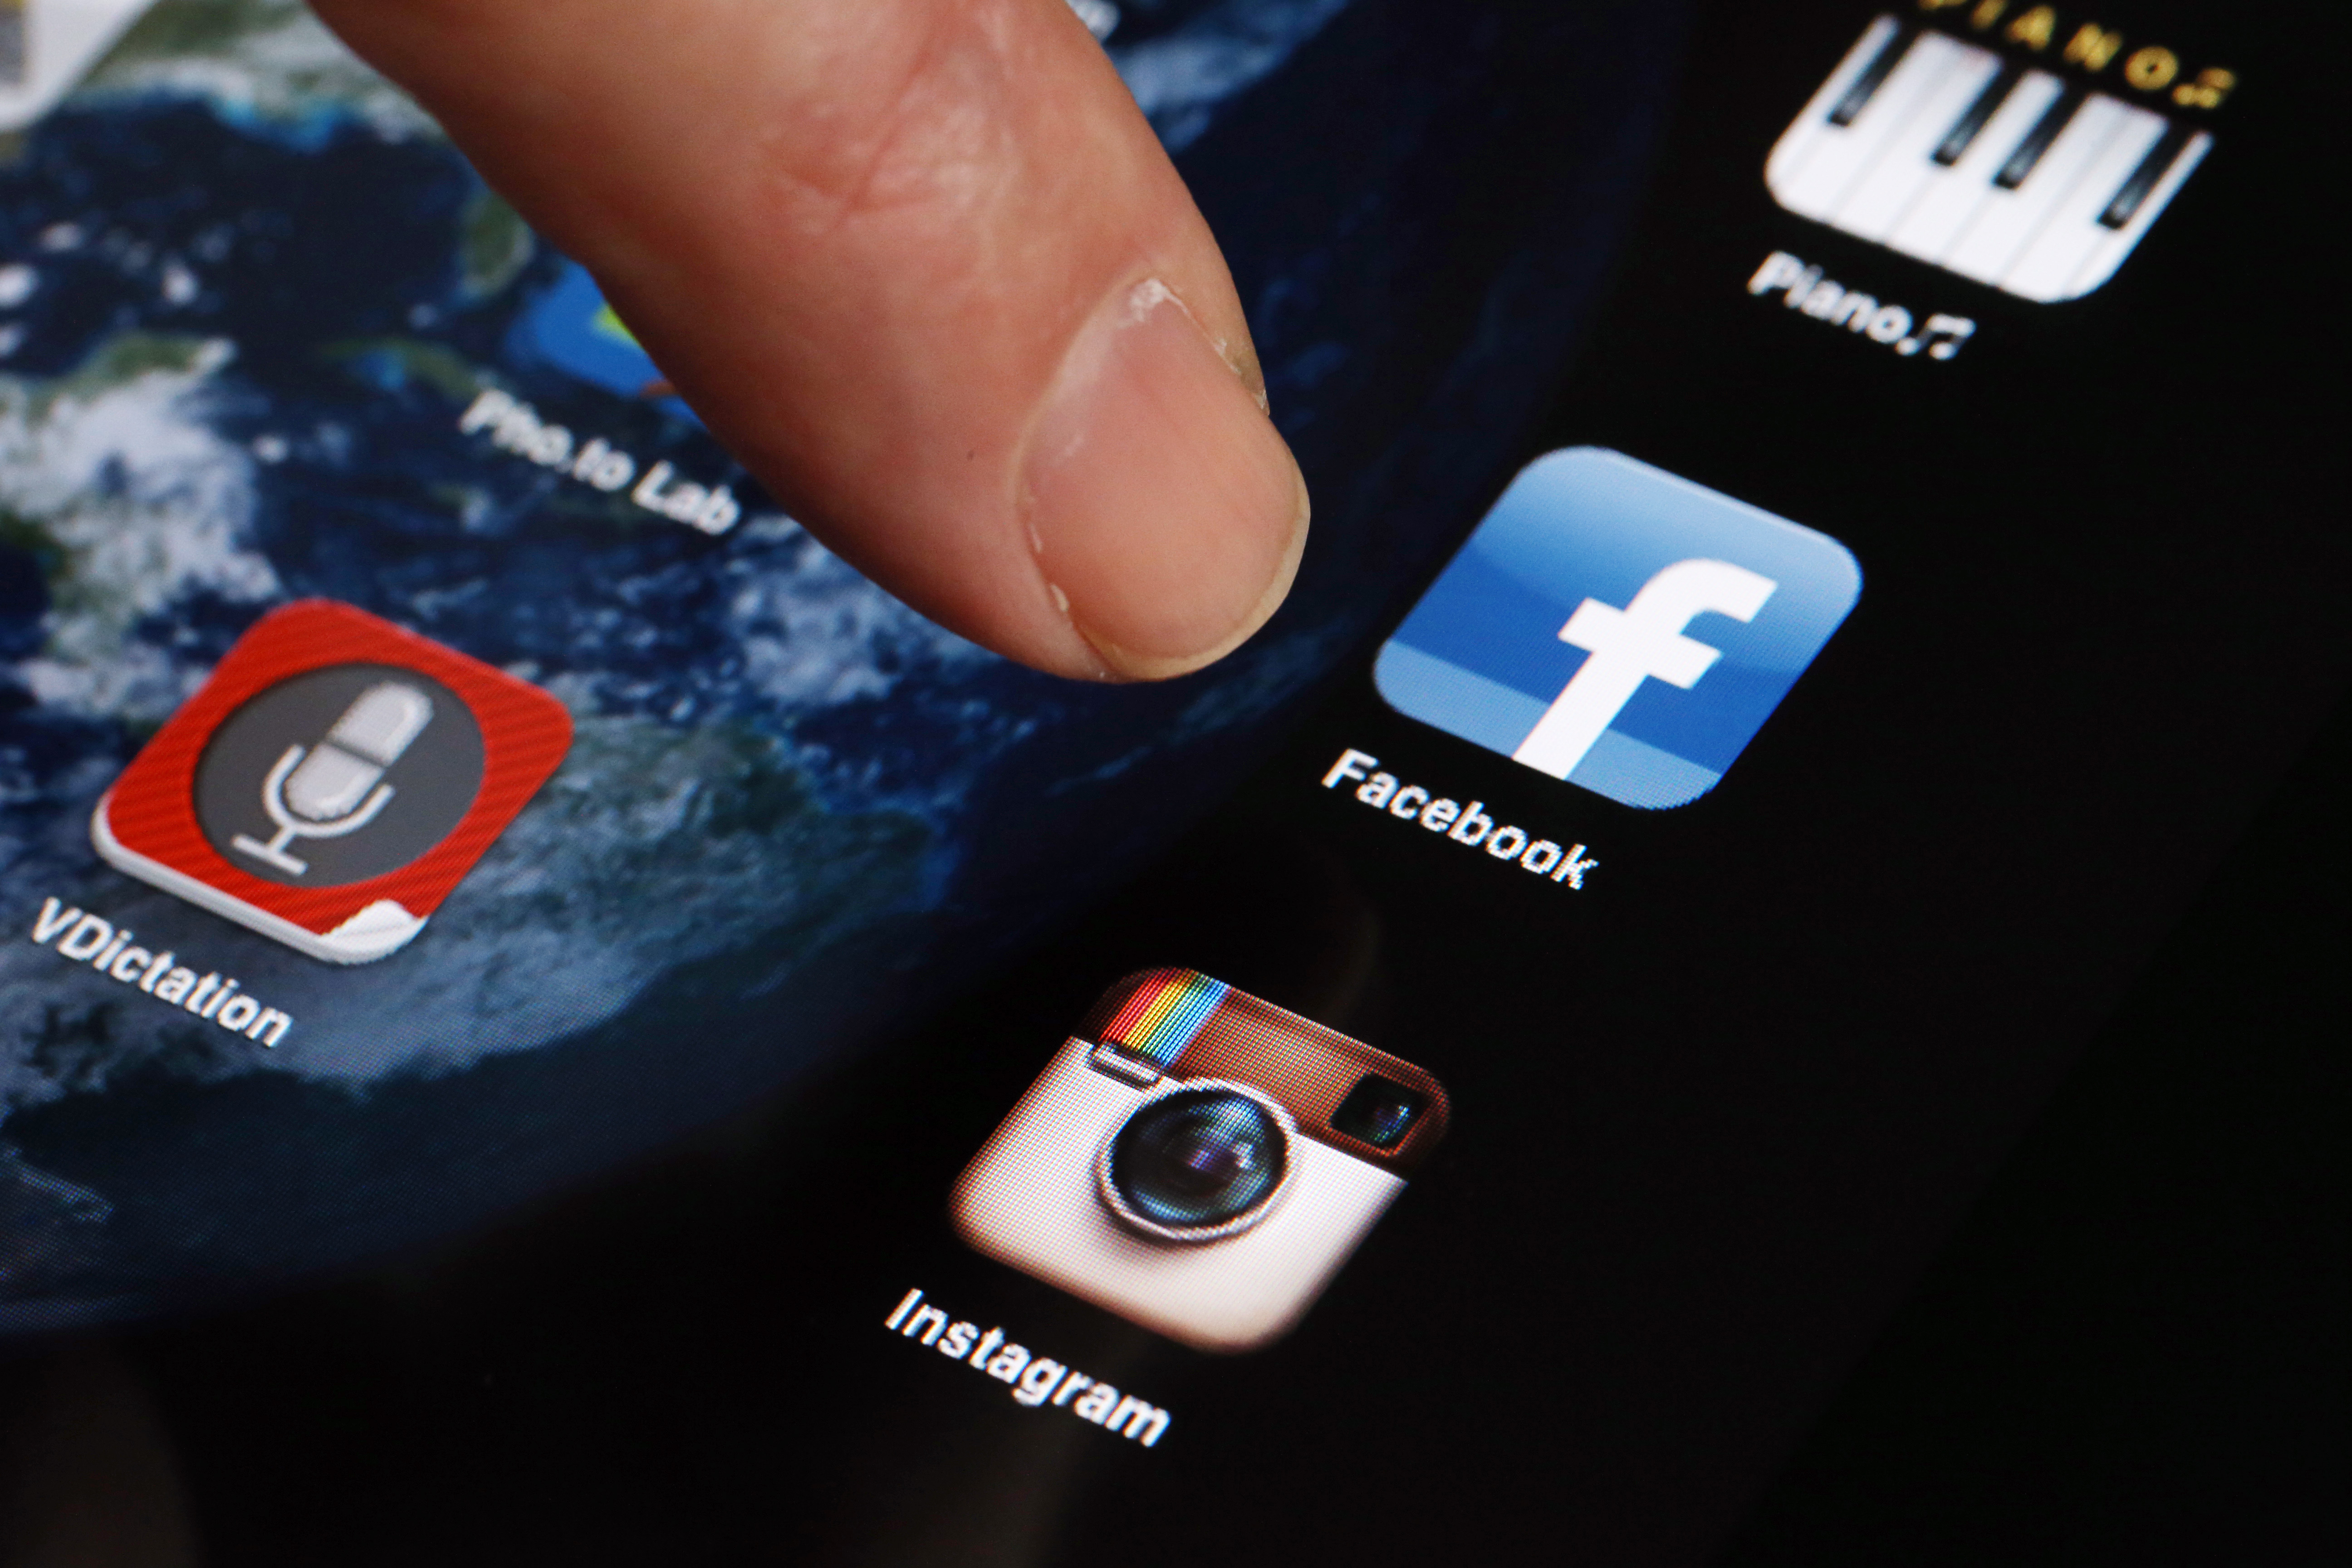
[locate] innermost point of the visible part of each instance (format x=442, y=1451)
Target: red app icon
x=332, y=781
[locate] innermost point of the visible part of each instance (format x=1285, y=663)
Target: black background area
x=2131, y=1351
x=434, y=782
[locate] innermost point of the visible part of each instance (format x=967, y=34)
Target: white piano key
x=2071, y=231
x=1844, y=156
x=1906, y=160
x=2001, y=229
x=1806, y=134
x=1950, y=197
x=2116, y=244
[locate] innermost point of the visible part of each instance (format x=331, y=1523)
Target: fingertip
x=1167, y=514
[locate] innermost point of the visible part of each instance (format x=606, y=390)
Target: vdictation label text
x=80, y=937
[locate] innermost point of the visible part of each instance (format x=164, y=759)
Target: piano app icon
x=1945, y=150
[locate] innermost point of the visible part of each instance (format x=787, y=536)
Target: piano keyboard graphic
x=1946, y=152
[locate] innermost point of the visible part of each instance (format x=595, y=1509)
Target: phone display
x=1821, y=541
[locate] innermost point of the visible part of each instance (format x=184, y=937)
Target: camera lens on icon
x=1198, y=1162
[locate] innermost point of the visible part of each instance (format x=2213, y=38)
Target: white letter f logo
x=1643, y=641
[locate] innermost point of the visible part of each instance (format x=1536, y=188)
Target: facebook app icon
x=1620, y=628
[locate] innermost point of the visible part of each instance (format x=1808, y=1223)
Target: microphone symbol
x=336, y=789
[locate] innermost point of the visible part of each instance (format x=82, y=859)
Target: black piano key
x=2027, y=153
x=1873, y=76
x=2143, y=180
x=1966, y=129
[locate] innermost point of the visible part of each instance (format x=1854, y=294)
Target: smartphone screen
x=1820, y=544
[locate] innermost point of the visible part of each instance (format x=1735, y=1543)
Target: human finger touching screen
x=925, y=268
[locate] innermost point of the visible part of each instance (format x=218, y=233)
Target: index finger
x=924, y=267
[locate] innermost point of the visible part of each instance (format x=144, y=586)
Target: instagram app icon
x=1199, y=1161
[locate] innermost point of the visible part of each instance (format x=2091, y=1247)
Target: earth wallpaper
x=256, y=317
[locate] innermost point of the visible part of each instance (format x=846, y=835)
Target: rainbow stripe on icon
x=1162, y=1014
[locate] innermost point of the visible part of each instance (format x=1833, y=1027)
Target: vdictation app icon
x=332, y=782
x=1620, y=628
x=1199, y=1161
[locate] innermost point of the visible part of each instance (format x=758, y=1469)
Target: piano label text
x=1803, y=289
x=2088, y=47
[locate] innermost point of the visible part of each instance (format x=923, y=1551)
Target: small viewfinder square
x=1379, y=1112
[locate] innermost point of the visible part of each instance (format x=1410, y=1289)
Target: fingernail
x=1167, y=514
